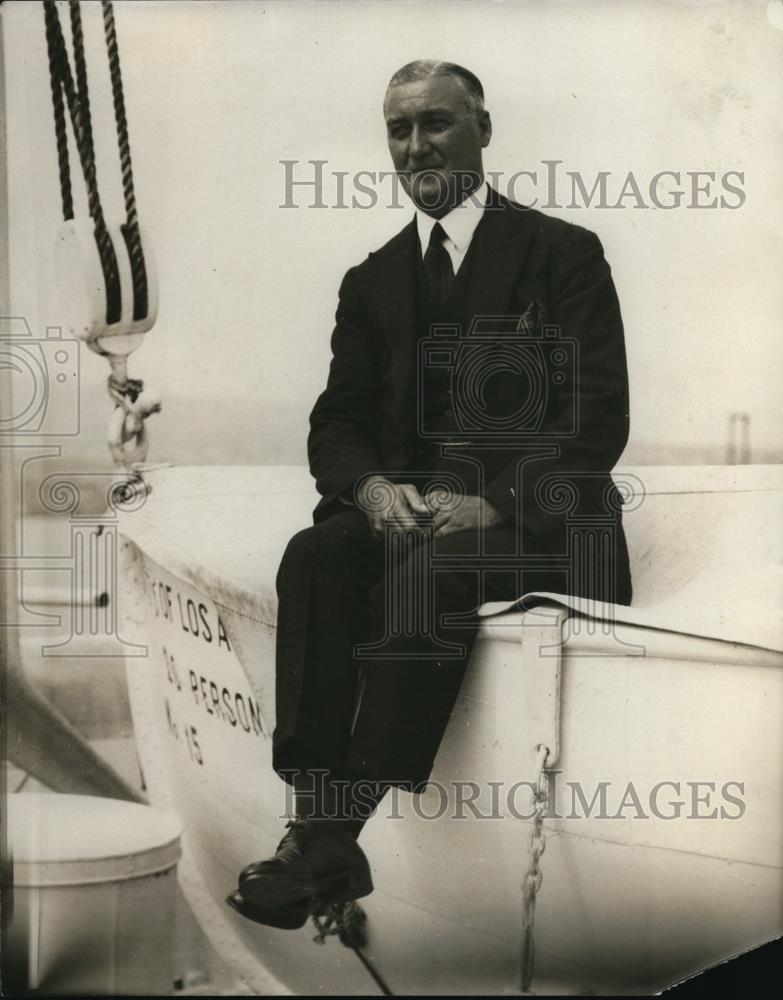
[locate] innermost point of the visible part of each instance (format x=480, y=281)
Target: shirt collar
x=459, y=225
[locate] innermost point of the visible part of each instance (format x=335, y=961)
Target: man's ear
x=485, y=128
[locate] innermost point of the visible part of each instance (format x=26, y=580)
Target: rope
x=382, y=985
x=534, y=876
x=121, y=392
x=105, y=245
x=128, y=440
x=346, y=921
x=63, y=70
x=78, y=99
x=130, y=230
x=55, y=79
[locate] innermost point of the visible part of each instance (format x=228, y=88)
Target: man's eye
x=399, y=132
x=439, y=125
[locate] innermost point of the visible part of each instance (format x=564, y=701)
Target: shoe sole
x=269, y=891
x=289, y=917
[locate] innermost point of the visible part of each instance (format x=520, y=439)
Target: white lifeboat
x=670, y=727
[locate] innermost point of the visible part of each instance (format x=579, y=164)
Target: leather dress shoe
x=316, y=859
x=286, y=917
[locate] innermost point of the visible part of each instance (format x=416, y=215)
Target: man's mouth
x=427, y=182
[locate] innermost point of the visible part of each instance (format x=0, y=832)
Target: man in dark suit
x=476, y=402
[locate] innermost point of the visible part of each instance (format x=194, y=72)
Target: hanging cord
x=346, y=921
x=128, y=440
x=105, y=245
x=533, y=875
x=130, y=230
x=55, y=78
x=78, y=99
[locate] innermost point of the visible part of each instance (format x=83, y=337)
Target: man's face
x=435, y=142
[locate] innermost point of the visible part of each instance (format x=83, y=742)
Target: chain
x=534, y=875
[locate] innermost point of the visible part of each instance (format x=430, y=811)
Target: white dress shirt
x=459, y=225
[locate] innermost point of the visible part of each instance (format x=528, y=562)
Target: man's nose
x=419, y=145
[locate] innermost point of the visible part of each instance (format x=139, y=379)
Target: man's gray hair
x=423, y=69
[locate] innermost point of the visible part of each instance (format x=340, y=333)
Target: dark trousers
x=410, y=601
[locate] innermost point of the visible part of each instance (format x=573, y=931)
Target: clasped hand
x=398, y=506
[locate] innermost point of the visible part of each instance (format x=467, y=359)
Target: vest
x=435, y=408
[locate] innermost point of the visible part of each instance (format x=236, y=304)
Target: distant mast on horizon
x=738, y=445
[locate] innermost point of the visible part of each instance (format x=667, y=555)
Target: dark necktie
x=437, y=265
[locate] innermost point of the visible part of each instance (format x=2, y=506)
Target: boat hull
x=638, y=892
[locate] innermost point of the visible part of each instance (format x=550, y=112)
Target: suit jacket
x=524, y=264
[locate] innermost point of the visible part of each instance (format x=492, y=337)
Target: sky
x=218, y=94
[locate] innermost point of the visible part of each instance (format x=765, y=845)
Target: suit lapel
x=395, y=295
x=502, y=239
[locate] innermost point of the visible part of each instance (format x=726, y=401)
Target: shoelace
x=289, y=849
